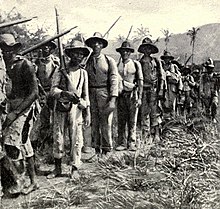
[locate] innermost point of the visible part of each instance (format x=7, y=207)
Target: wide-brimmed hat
x=166, y=55
x=52, y=43
x=76, y=45
x=147, y=42
x=125, y=46
x=186, y=69
x=8, y=41
x=96, y=36
x=209, y=63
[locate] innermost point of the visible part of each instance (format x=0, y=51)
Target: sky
x=98, y=15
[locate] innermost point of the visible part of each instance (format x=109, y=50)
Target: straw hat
x=96, y=37
x=76, y=45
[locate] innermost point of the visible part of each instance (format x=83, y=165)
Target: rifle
x=62, y=58
x=45, y=42
x=111, y=27
x=87, y=58
x=16, y=22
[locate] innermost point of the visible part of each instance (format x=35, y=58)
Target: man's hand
x=70, y=96
x=168, y=73
x=110, y=106
x=82, y=104
x=9, y=119
x=138, y=103
x=160, y=95
x=87, y=120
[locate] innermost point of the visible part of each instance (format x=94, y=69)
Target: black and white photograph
x=109, y=104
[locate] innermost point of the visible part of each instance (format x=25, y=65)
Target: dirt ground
x=181, y=172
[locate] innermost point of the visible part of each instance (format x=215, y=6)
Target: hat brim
x=53, y=44
x=210, y=66
x=15, y=46
x=163, y=57
x=83, y=49
x=125, y=48
x=90, y=40
x=154, y=49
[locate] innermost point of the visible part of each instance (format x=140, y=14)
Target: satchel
x=61, y=105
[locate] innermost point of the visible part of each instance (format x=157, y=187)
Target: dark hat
x=76, y=45
x=96, y=36
x=7, y=40
x=147, y=42
x=166, y=55
x=186, y=69
x=52, y=43
x=125, y=46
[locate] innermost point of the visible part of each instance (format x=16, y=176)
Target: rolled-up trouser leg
x=59, y=123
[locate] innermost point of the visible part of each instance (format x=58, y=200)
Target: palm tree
x=141, y=33
x=167, y=35
x=193, y=33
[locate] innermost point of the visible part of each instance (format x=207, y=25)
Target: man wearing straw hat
x=70, y=86
x=153, y=90
x=209, y=89
x=21, y=99
x=174, y=85
x=129, y=100
x=103, y=87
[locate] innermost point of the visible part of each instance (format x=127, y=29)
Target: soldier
x=209, y=90
x=174, y=85
x=185, y=95
x=70, y=88
x=153, y=90
x=46, y=66
x=103, y=91
x=195, y=90
x=2, y=109
x=129, y=100
x=20, y=107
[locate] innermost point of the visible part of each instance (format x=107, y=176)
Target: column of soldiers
x=84, y=95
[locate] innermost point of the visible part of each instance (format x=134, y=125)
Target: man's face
x=125, y=54
x=46, y=50
x=147, y=50
x=76, y=56
x=210, y=69
x=96, y=46
x=167, y=60
x=8, y=53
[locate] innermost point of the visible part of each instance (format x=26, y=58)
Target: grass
x=182, y=172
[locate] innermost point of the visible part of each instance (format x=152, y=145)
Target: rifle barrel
x=46, y=41
x=15, y=22
x=111, y=27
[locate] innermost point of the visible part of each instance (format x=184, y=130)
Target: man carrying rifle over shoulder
x=70, y=90
x=103, y=90
x=17, y=125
